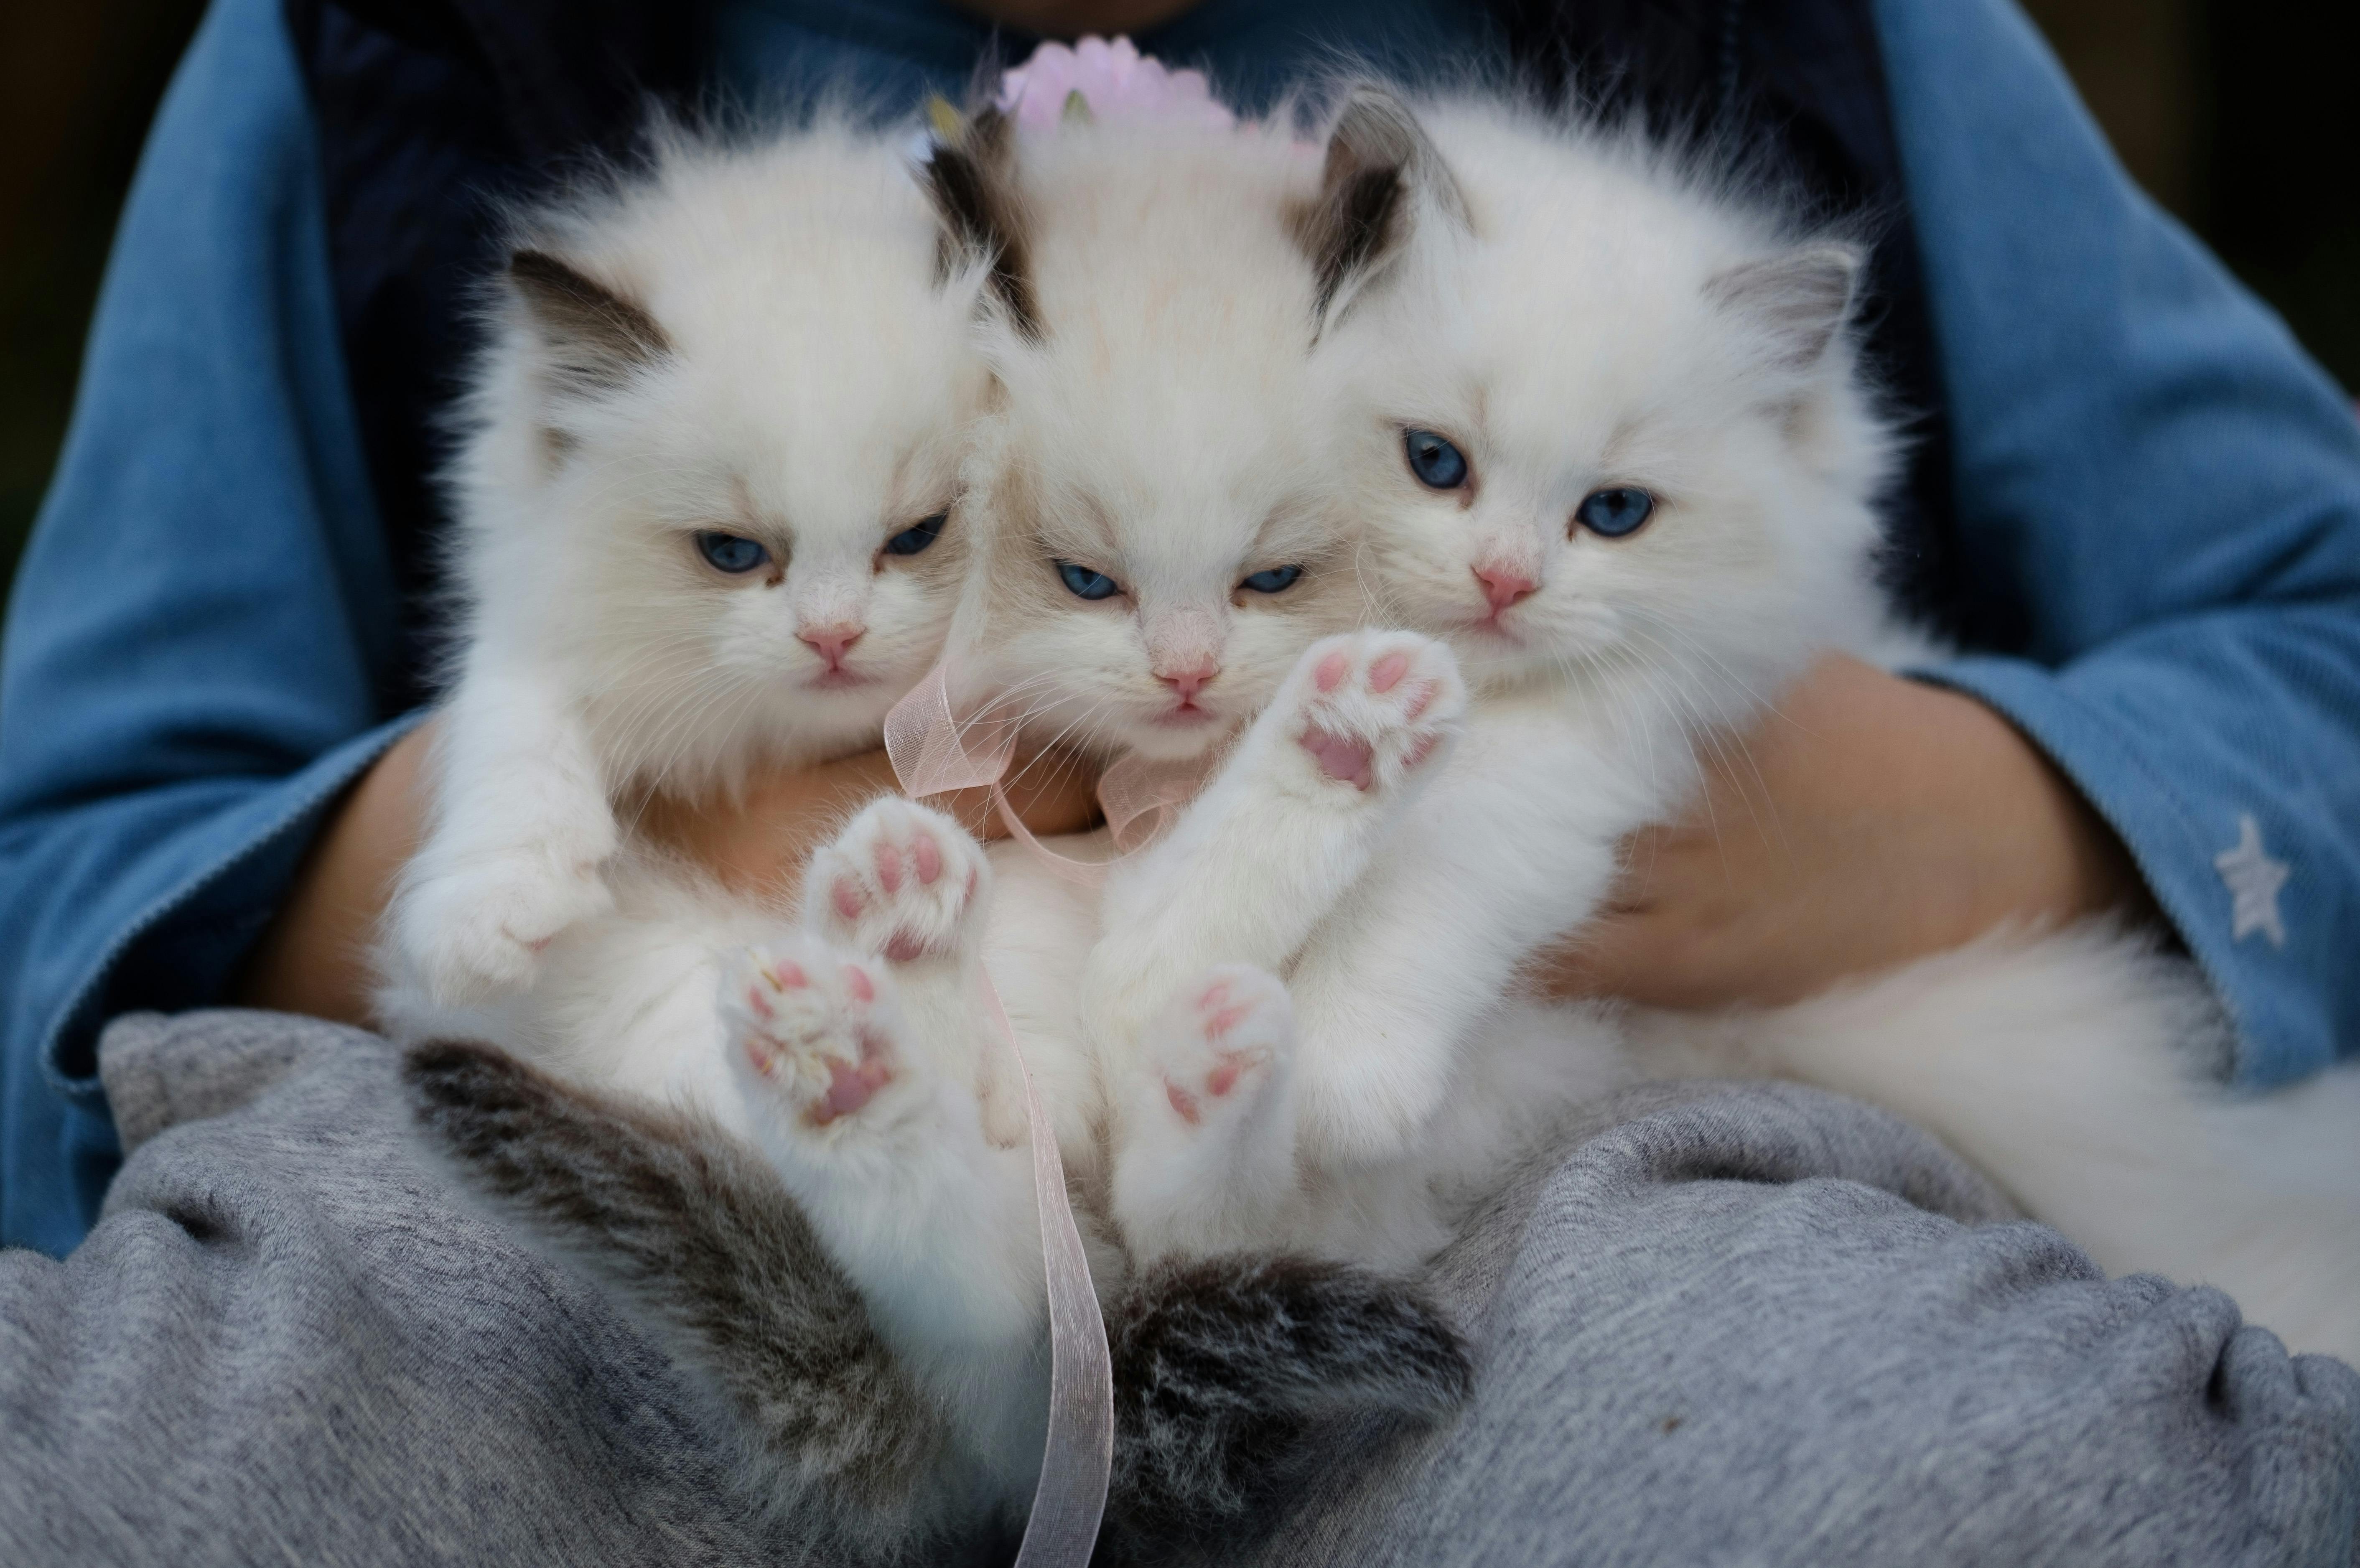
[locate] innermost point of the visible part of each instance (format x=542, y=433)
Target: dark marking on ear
x=975, y=196
x=596, y=337
x=1379, y=162
x=1802, y=298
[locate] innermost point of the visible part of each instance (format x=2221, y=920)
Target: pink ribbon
x=933, y=751
x=1078, y=1454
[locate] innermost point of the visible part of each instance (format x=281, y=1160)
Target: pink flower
x=1114, y=79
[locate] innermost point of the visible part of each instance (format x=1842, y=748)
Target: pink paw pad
x=897, y=883
x=1219, y=1015
x=850, y=1085
x=1218, y=1081
x=1386, y=673
x=1341, y=757
x=1330, y=673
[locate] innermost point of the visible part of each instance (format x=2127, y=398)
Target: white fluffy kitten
x=1630, y=484
x=702, y=531
x=1605, y=442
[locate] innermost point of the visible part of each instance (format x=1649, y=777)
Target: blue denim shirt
x=2145, y=462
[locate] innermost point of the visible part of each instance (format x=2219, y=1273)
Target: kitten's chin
x=1178, y=736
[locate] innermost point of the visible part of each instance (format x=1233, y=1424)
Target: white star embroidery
x=2253, y=880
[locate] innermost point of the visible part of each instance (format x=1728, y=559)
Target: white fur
x=1578, y=338
x=1604, y=319
x=814, y=397
x=1152, y=432
x=1594, y=320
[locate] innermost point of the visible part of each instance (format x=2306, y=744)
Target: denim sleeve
x=2149, y=467
x=190, y=669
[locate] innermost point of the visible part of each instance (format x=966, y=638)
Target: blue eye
x=728, y=552
x=1614, y=514
x=1438, y=464
x=1086, y=583
x=1277, y=580
x=913, y=539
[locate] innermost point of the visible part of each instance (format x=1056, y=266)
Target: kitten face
x=1164, y=536
x=1156, y=569
x=1613, y=428
x=787, y=567
x=730, y=517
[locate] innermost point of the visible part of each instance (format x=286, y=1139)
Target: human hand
x=1869, y=821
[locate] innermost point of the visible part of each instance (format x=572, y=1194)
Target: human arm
x=2165, y=495
x=1868, y=820
x=203, y=626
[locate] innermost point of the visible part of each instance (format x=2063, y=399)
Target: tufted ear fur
x=1380, y=170
x=970, y=181
x=1799, y=300
x=596, y=338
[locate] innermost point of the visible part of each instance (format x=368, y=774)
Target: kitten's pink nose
x=830, y=641
x=1191, y=681
x=1503, y=586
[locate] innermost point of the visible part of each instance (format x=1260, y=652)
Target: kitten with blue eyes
x=1626, y=514
x=703, y=529
x=1156, y=543
x=1635, y=509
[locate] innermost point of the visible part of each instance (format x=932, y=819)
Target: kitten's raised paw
x=1372, y=708
x=815, y=1031
x=471, y=932
x=1219, y=1043
x=902, y=881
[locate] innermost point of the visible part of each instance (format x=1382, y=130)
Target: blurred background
x=2240, y=116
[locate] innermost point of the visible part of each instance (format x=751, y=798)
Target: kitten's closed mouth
x=836, y=680
x=1493, y=627
x=1185, y=715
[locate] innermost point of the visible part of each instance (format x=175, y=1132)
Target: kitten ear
x=1380, y=170
x=1800, y=300
x=595, y=337
x=971, y=182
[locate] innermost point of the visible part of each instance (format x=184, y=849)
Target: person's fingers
x=1643, y=958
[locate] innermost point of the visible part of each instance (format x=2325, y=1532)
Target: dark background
x=2240, y=116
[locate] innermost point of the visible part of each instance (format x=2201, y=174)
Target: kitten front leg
x=1510, y=852
x=1205, y=1159
x=1288, y=824
x=520, y=829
